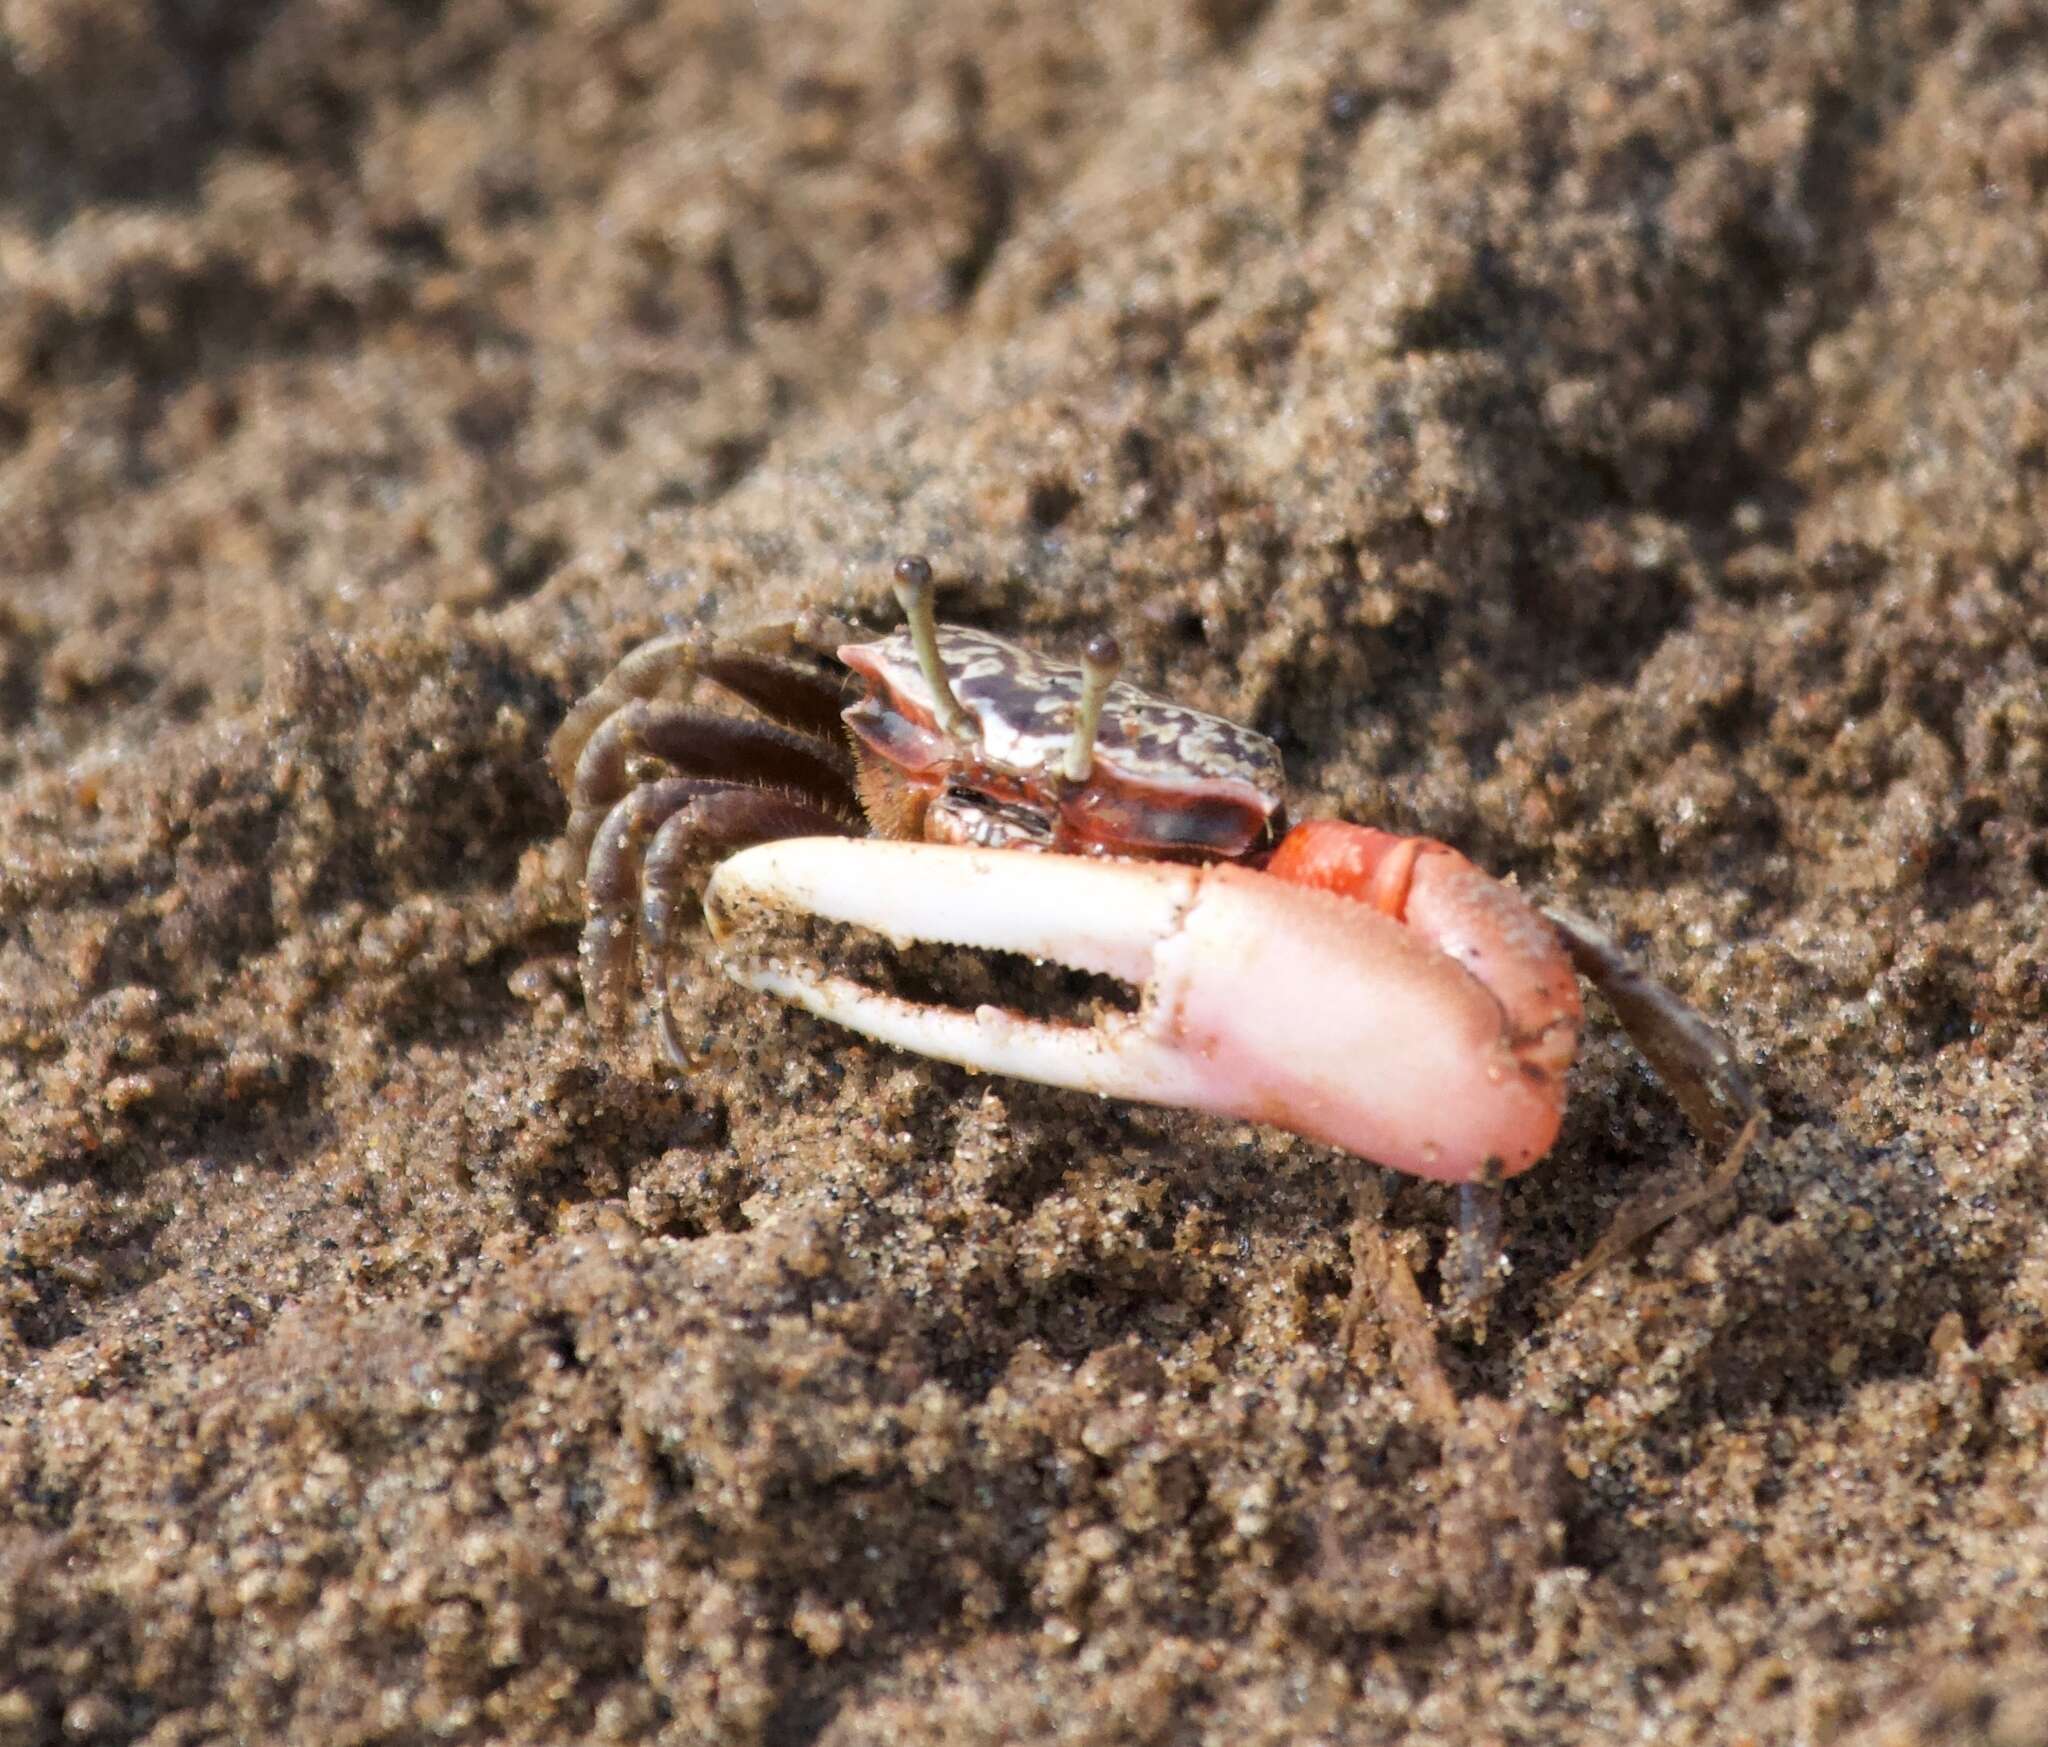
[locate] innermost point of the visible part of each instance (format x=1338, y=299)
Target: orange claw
x=1466, y=915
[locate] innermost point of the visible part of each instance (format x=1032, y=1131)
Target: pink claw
x=1261, y=997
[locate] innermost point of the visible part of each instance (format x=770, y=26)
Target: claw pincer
x=1260, y=996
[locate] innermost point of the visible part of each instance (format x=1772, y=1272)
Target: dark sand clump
x=1612, y=438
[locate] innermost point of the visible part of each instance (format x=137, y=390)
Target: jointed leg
x=707, y=830
x=1382, y=1281
x=700, y=744
x=704, y=830
x=1688, y=1054
x=611, y=890
x=1472, y=1271
x=795, y=693
x=676, y=815
x=642, y=674
x=1690, y=1057
x=758, y=668
x=1640, y=1218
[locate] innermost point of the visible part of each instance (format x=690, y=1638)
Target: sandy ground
x=1614, y=438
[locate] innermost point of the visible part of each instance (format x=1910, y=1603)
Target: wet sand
x=1612, y=439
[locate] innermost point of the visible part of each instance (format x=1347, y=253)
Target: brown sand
x=1614, y=438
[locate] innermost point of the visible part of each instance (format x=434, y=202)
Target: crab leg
x=1259, y=998
x=701, y=744
x=758, y=667
x=1693, y=1059
x=641, y=860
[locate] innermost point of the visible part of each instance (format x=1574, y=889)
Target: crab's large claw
x=1258, y=998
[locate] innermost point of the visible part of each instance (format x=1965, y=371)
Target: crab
x=1372, y=991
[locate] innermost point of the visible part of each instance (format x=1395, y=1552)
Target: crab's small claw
x=1258, y=998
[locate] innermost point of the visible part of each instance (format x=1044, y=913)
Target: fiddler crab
x=1374, y=992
